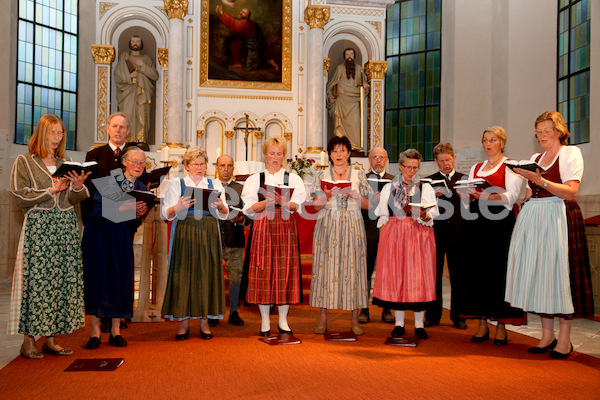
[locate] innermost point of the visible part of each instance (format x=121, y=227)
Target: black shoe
x=542, y=350
x=117, y=341
x=265, y=333
x=481, y=339
x=235, y=320
x=182, y=336
x=363, y=317
x=105, y=326
x=429, y=323
x=93, y=343
x=420, y=333
x=460, y=325
x=398, y=331
x=123, y=325
x=501, y=342
x=283, y=331
x=205, y=336
x=213, y=322
x=560, y=356
x=387, y=317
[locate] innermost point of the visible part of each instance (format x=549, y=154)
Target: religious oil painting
x=246, y=44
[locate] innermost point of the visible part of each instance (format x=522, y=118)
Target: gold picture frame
x=285, y=82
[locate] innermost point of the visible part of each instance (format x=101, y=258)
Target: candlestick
x=166, y=153
x=323, y=160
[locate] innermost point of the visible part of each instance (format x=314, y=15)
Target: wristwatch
x=545, y=185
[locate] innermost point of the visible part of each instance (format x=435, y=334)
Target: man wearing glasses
x=377, y=177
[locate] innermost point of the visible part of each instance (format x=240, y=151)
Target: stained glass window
x=574, y=67
x=47, y=65
x=412, y=92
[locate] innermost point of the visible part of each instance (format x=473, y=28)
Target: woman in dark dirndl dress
x=488, y=228
x=107, y=248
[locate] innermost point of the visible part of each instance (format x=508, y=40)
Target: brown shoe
x=34, y=355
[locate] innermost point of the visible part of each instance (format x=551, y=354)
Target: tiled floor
x=585, y=334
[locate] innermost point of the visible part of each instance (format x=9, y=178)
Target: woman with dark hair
x=406, y=264
x=548, y=265
x=487, y=238
x=339, y=277
x=47, y=291
x=107, y=248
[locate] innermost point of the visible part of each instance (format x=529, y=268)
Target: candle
x=218, y=153
x=166, y=153
x=323, y=160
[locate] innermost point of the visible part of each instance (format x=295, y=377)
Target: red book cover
x=340, y=336
x=280, y=339
x=279, y=189
x=95, y=364
x=326, y=183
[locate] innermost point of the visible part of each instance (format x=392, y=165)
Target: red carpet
x=234, y=364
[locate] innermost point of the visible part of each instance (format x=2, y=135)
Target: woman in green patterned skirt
x=47, y=291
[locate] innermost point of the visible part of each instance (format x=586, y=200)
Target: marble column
x=375, y=71
x=104, y=55
x=316, y=16
x=176, y=11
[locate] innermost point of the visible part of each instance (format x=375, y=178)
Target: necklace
x=339, y=174
x=494, y=162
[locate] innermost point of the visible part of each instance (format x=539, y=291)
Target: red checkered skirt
x=579, y=262
x=274, y=270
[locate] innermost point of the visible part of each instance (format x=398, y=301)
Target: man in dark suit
x=232, y=237
x=377, y=176
x=447, y=231
x=108, y=158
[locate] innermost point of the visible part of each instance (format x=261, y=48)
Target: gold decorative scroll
x=175, y=145
x=376, y=25
x=326, y=65
x=199, y=133
x=316, y=16
x=163, y=57
x=358, y=11
x=102, y=101
x=287, y=136
x=104, y=7
x=259, y=135
x=314, y=149
x=229, y=134
x=376, y=69
x=103, y=53
x=377, y=101
x=176, y=8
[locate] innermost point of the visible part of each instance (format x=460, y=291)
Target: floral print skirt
x=52, y=274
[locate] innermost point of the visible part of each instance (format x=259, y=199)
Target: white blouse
x=174, y=193
x=252, y=184
x=570, y=163
x=427, y=196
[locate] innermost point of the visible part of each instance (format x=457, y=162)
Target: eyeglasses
x=137, y=162
x=544, y=132
x=410, y=168
x=196, y=165
x=57, y=134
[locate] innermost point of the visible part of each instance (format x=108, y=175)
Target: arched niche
x=116, y=28
x=339, y=36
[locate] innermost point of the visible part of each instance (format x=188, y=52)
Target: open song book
x=77, y=167
x=524, y=164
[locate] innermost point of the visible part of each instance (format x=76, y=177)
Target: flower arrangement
x=301, y=165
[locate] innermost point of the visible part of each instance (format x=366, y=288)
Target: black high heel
x=182, y=336
x=265, y=333
x=205, y=336
x=481, y=339
x=501, y=342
